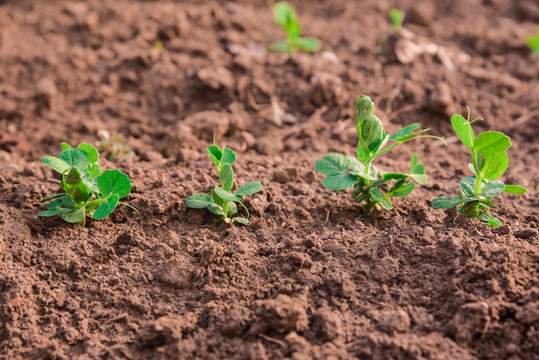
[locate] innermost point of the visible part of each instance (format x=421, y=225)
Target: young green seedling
x=222, y=201
x=489, y=162
x=88, y=192
x=285, y=17
x=397, y=17
x=373, y=187
x=533, y=42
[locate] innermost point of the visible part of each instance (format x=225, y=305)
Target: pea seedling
x=533, y=42
x=397, y=17
x=489, y=162
x=221, y=201
x=373, y=187
x=88, y=192
x=286, y=18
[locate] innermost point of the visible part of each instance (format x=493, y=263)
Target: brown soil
x=309, y=277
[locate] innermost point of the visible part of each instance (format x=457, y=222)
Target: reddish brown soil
x=309, y=277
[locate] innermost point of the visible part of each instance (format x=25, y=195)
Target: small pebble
x=429, y=232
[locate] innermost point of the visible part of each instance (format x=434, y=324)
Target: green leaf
x=66, y=146
x=472, y=168
x=225, y=195
x=241, y=220
x=93, y=171
x=404, y=190
x=308, y=44
x=417, y=170
x=376, y=194
x=216, y=209
x=397, y=17
x=533, y=42
x=355, y=165
x=403, y=132
x=73, y=215
x=249, y=188
x=285, y=17
x=393, y=176
x=372, y=133
x=56, y=164
x=106, y=207
x=463, y=129
x=73, y=177
x=332, y=164
x=50, y=197
x=75, y=158
x=339, y=182
x=56, y=204
x=228, y=156
x=114, y=182
x=215, y=154
x=449, y=202
x=226, y=175
x=80, y=192
x=492, y=188
x=489, y=219
x=91, y=151
x=491, y=142
x=363, y=108
x=199, y=201
x=515, y=189
x=50, y=212
x=216, y=199
x=232, y=208
x=492, y=165
x=281, y=46
x=468, y=185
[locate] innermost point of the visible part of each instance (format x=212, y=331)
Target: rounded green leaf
x=493, y=188
x=339, y=182
x=50, y=212
x=215, y=154
x=491, y=142
x=372, y=133
x=463, y=129
x=226, y=175
x=216, y=209
x=199, y=201
x=404, y=190
x=75, y=158
x=468, y=185
x=241, y=220
x=447, y=202
x=91, y=151
x=112, y=182
x=308, y=44
x=249, y=188
x=74, y=215
x=492, y=165
x=106, y=207
x=228, y=156
x=56, y=164
x=363, y=108
x=73, y=177
x=332, y=164
x=225, y=195
x=232, y=208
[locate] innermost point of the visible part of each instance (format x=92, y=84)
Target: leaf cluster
x=489, y=162
x=88, y=192
x=286, y=18
x=373, y=187
x=221, y=200
x=533, y=42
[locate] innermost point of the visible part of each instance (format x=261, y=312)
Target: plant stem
x=225, y=208
x=478, y=177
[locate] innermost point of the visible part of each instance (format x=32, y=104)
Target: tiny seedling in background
x=112, y=147
x=533, y=42
x=373, y=187
x=397, y=17
x=489, y=162
x=222, y=201
x=88, y=192
x=286, y=18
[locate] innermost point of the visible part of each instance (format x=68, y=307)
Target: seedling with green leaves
x=489, y=162
x=222, y=201
x=397, y=17
x=373, y=187
x=88, y=192
x=533, y=42
x=286, y=18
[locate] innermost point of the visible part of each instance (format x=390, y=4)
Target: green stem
x=478, y=177
x=225, y=208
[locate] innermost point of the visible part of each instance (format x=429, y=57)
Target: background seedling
x=373, y=187
x=222, y=201
x=88, y=192
x=397, y=17
x=286, y=18
x=112, y=147
x=533, y=42
x=489, y=162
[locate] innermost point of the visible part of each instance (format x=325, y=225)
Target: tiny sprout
x=88, y=192
x=222, y=201
x=489, y=162
x=286, y=18
x=373, y=187
x=397, y=17
x=533, y=42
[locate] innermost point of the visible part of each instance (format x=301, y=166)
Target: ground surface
x=308, y=278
